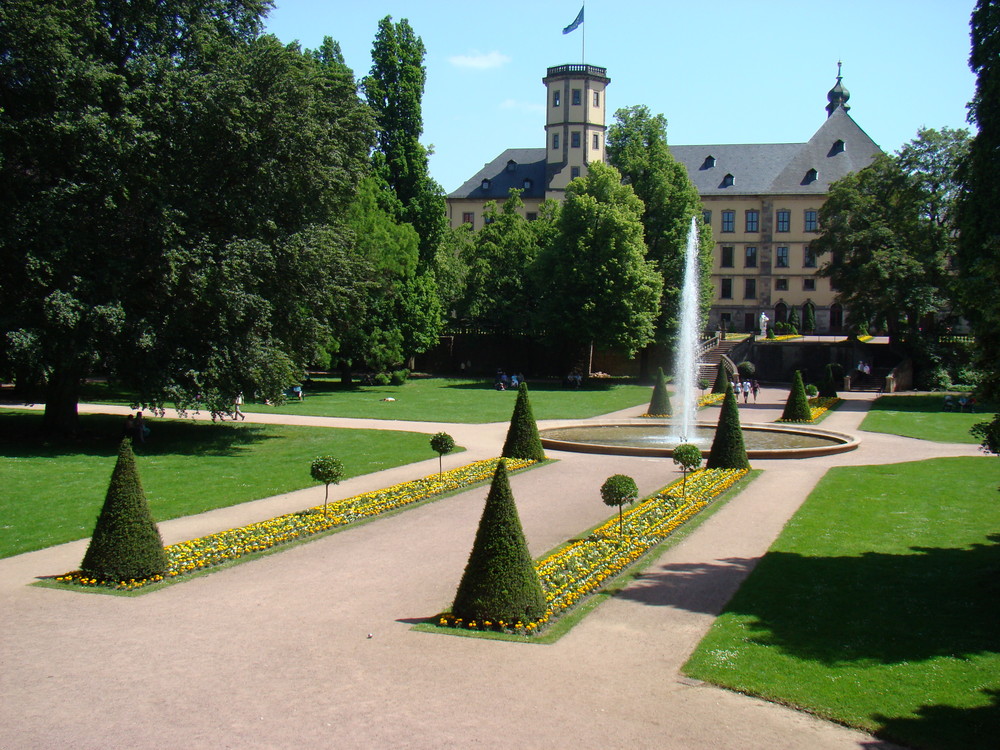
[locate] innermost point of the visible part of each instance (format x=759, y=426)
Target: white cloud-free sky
x=721, y=71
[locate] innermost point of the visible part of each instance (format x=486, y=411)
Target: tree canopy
x=172, y=183
x=597, y=286
x=637, y=147
x=888, y=232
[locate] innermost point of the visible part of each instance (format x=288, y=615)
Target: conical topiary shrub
x=500, y=581
x=828, y=388
x=797, y=406
x=659, y=403
x=808, y=318
x=721, y=379
x=728, y=450
x=126, y=543
x=522, y=435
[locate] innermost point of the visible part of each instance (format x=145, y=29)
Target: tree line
x=196, y=210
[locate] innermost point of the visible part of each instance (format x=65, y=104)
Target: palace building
x=761, y=200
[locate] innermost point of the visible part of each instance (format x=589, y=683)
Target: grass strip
x=579, y=568
x=924, y=417
x=877, y=606
x=226, y=547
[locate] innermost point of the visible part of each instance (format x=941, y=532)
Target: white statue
x=763, y=325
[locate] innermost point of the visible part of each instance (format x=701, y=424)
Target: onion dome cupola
x=838, y=95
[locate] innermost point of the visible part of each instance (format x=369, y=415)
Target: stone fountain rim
x=846, y=442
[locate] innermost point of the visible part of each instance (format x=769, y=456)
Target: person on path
x=746, y=391
x=755, y=387
x=237, y=403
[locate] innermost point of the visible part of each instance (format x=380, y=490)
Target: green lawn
x=444, y=400
x=878, y=606
x=52, y=493
x=922, y=417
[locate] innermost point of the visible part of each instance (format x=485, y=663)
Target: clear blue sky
x=721, y=71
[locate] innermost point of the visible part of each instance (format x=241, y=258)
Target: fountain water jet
x=687, y=338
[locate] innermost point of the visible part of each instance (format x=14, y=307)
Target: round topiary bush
x=442, y=443
x=522, y=435
x=797, y=406
x=746, y=369
x=500, y=581
x=659, y=403
x=619, y=489
x=126, y=543
x=688, y=457
x=728, y=450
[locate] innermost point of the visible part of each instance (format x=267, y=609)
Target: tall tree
x=499, y=295
x=979, y=220
x=889, y=233
x=394, y=90
x=637, y=147
x=597, y=286
x=161, y=167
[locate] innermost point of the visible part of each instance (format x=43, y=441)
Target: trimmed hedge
x=126, y=543
x=659, y=403
x=797, y=406
x=500, y=581
x=728, y=449
x=522, y=435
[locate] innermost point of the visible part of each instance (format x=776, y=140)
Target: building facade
x=762, y=201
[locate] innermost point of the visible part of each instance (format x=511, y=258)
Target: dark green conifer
x=828, y=388
x=721, y=379
x=126, y=543
x=500, y=581
x=659, y=403
x=522, y=435
x=728, y=450
x=808, y=318
x=797, y=406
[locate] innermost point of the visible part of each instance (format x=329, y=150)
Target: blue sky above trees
x=722, y=72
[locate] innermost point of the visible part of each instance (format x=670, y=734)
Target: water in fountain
x=687, y=340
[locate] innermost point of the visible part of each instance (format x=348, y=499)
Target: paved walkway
x=276, y=653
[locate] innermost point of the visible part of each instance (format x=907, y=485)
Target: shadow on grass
x=928, y=404
x=875, y=607
x=597, y=385
x=100, y=434
x=951, y=727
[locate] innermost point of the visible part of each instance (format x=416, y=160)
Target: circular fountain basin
x=654, y=439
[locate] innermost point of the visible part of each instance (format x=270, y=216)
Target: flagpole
x=583, y=38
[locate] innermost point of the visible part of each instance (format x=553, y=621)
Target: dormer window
x=709, y=162
x=485, y=185
x=511, y=165
x=728, y=181
x=811, y=176
x=838, y=147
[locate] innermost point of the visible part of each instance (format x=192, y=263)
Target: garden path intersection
x=275, y=653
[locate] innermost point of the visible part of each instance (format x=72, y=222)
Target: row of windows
x=576, y=98
x=575, y=140
x=750, y=287
x=751, y=220
x=782, y=257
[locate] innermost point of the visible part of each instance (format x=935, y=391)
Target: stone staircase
x=872, y=383
x=709, y=361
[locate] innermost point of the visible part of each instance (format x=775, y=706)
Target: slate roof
x=781, y=168
x=529, y=163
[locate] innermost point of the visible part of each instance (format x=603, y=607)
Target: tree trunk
x=345, y=374
x=62, y=396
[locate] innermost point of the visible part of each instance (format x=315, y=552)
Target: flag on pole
x=577, y=21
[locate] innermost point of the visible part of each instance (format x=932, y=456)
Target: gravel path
x=276, y=653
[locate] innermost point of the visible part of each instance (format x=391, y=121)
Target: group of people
x=505, y=382
x=136, y=428
x=746, y=387
x=864, y=368
x=574, y=379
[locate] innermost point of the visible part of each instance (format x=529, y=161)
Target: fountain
x=687, y=338
x=761, y=440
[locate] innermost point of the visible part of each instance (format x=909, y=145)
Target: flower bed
x=818, y=406
x=580, y=568
x=711, y=399
x=212, y=550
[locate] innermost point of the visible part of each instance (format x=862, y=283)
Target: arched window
x=781, y=313
x=836, y=317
